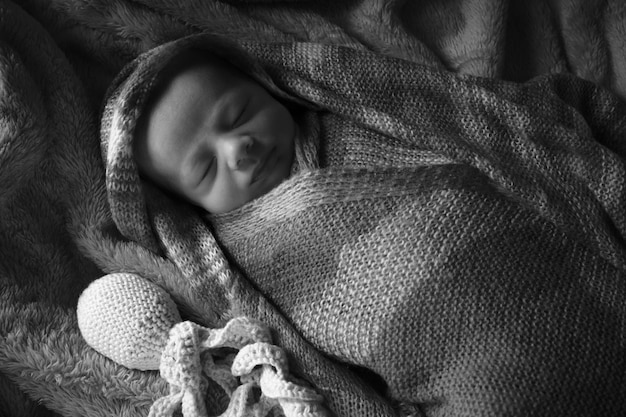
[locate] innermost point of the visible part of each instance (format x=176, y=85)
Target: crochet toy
x=137, y=324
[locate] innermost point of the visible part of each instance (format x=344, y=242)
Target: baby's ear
x=127, y=319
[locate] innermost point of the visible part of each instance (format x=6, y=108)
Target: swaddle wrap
x=455, y=242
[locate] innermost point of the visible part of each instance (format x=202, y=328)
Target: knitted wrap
x=455, y=246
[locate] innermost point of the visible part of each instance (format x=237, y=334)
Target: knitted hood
x=124, y=104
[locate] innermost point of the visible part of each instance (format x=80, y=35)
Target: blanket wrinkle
x=58, y=234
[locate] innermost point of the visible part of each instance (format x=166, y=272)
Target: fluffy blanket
x=57, y=233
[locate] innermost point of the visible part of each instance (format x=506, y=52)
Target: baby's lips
x=260, y=171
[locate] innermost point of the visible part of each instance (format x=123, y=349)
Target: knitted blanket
x=57, y=58
x=458, y=241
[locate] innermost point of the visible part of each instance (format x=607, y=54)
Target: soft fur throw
x=57, y=58
x=457, y=241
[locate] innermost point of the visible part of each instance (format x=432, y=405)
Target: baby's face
x=216, y=137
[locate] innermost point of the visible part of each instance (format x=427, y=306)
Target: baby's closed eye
x=241, y=113
x=208, y=168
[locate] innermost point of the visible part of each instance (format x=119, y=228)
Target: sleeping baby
x=414, y=225
x=212, y=135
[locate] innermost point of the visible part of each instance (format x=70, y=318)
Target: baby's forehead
x=198, y=76
x=194, y=72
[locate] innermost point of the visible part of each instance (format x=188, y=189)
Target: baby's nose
x=240, y=153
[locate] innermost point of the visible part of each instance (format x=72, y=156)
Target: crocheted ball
x=127, y=319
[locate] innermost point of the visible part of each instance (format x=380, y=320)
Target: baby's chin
x=260, y=191
x=268, y=186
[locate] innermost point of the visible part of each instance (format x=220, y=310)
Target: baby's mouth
x=260, y=170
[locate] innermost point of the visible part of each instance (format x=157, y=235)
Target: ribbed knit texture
x=458, y=240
